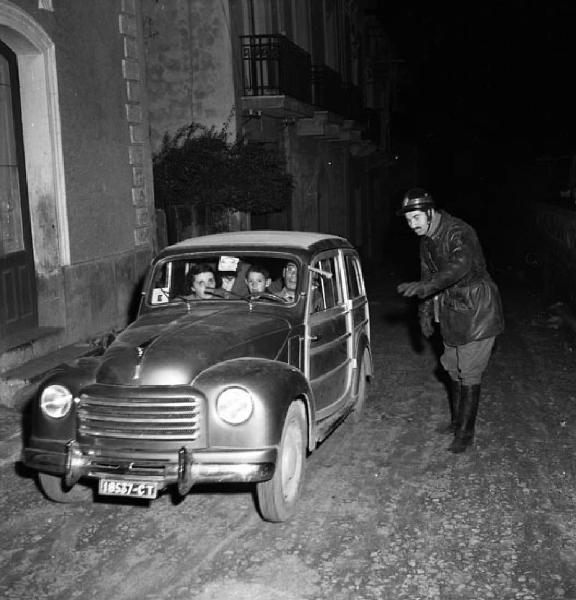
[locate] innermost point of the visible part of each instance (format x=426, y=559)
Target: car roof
x=269, y=239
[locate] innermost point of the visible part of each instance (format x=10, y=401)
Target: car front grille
x=141, y=418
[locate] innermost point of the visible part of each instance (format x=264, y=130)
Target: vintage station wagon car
x=224, y=384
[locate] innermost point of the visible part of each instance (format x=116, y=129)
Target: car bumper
x=184, y=468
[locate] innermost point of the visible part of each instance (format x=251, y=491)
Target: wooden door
x=18, y=308
x=330, y=363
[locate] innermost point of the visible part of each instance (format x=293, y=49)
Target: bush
x=198, y=167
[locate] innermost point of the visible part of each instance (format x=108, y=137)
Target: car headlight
x=55, y=401
x=234, y=405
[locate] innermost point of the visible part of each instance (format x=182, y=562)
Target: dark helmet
x=416, y=199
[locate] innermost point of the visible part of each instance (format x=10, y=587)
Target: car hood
x=170, y=349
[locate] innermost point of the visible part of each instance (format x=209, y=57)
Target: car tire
x=55, y=489
x=362, y=390
x=277, y=497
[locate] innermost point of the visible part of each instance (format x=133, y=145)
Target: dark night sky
x=491, y=85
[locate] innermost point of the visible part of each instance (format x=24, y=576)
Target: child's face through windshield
x=257, y=282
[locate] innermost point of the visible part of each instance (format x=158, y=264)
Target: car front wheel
x=278, y=496
x=57, y=491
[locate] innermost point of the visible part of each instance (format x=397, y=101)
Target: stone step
x=28, y=344
x=18, y=385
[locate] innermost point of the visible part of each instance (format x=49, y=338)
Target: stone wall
x=107, y=161
x=88, y=158
x=108, y=290
x=189, y=65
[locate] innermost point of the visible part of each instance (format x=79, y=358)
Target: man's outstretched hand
x=412, y=288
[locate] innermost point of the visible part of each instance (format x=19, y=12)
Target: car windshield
x=225, y=277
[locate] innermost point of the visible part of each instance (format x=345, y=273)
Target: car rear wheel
x=278, y=496
x=362, y=390
x=57, y=491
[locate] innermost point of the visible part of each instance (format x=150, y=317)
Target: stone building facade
x=76, y=178
x=309, y=78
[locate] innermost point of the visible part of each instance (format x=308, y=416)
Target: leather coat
x=458, y=289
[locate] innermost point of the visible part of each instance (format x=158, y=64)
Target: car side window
x=353, y=277
x=325, y=287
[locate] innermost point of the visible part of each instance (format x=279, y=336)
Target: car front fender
x=273, y=385
x=72, y=376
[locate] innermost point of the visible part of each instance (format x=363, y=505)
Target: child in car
x=257, y=279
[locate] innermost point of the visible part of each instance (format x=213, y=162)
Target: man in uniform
x=458, y=293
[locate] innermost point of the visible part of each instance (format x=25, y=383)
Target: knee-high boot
x=454, y=393
x=464, y=434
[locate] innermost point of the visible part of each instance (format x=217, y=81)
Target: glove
x=425, y=319
x=414, y=288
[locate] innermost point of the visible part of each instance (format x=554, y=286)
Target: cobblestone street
x=386, y=512
x=499, y=521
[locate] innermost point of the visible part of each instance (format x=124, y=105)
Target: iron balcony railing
x=273, y=65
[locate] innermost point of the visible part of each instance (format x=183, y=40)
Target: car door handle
x=314, y=338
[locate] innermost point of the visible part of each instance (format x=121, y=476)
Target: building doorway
x=18, y=302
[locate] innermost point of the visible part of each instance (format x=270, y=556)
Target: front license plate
x=128, y=488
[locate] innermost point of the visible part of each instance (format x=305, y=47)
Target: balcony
x=274, y=66
x=280, y=80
